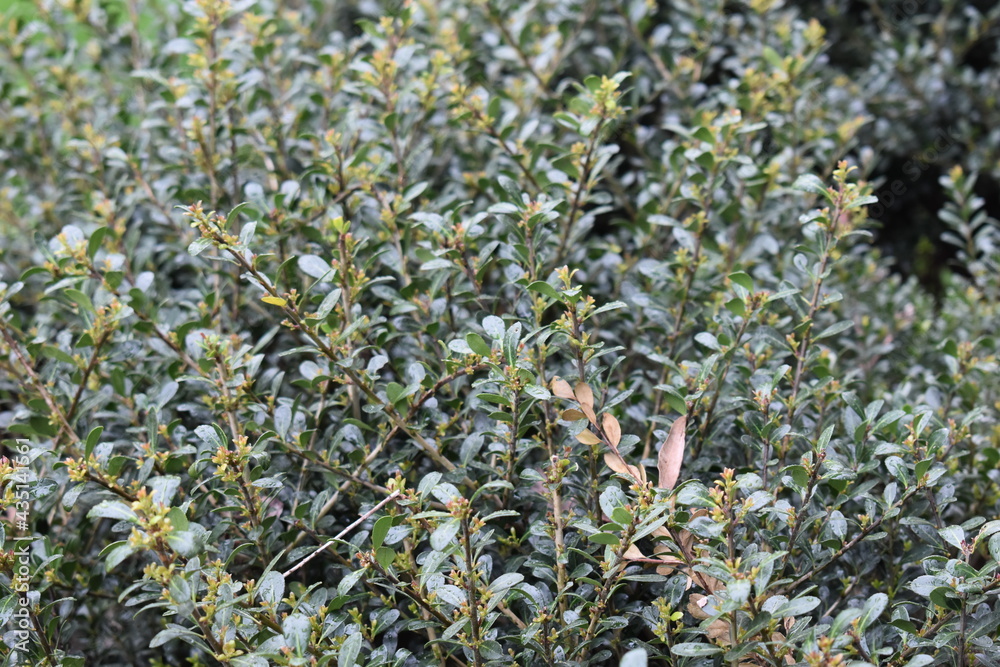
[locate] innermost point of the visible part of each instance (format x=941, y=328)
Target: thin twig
x=364, y=517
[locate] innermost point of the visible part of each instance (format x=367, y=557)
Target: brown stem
x=562, y=577
x=345, y=266
x=707, y=419
x=64, y=426
x=292, y=312
x=470, y=586
x=610, y=581
x=865, y=532
x=582, y=186
x=91, y=365
x=497, y=19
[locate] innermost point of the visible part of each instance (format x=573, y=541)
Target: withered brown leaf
x=562, y=389
x=584, y=394
x=585, y=397
x=671, y=454
x=617, y=463
x=612, y=429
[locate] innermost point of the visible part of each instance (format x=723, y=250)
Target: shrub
x=354, y=333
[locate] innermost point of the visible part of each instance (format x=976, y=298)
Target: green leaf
x=115, y=553
x=953, y=535
x=797, y=607
x=199, y=246
x=330, y=302
x=478, y=345
x=866, y=200
x=296, y=629
x=112, y=509
x=621, y=516
x=873, y=608
x=315, y=266
x=535, y=391
x=675, y=401
x=271, y=588
x=608, y=539
x=704, y=134
x=772, y=58
x=349, y=650
x=178, y=519
x=345, y=585
x=843, y=621
x=384, y=557
x=444, y=535
x=172, y=632
x=247, y=233
x=737, y=307
x=96, y=239
x=80, y=299
x=500, y=586
x=394, y=391
x=511, y=187
x=810, y=183
x=798, y=474
x=235, y=212
x=380, y=530
x=510, y=343
x=614, y=305
x=942, y=597
x=692, y=650
x=742, y=279
x=545, y=289
x=709, y=341
x=494, y=327
x=212, y=436
x=835, y=329
x=92, y=439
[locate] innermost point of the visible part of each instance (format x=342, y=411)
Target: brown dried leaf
x=572, y=415
x=696, y=606
x=686, y=539
x=713, y=584
x=719, y=631
x=704, y=581
x=584, y=395
x=671, y=454
x=612, y=429
x=668, y=562
x=662, y=552
x=617, y=463
x=587, y=437
x=633, y=553
x=661, y=532
x=562, y=389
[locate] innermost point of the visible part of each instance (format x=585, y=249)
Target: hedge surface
x=560, y=327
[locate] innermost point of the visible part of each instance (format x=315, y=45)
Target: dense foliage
x=560, y=326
